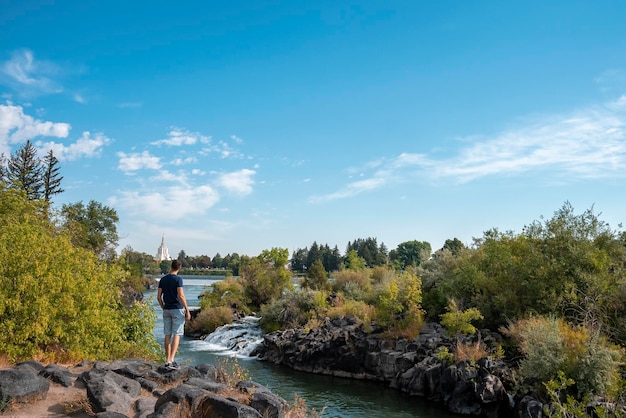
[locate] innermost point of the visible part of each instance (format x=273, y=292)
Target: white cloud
x=137, y=161
x=168, y=176
x=590, y=143
x=224, y=149
x=352, y=189
x=184, y=161
x=177, y=137
x=173, y=204
x=87, y=145
x=239, y=182
x=28, y=75
x=586, y=143
x=16, y=127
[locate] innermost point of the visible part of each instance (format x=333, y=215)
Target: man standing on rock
x=171, y=297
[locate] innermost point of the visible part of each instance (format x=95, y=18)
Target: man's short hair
x=176, y=264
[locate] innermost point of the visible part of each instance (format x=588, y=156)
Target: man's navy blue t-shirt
x=169, y=285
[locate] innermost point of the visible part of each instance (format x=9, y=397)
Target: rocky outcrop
x=136, y=388
x=341, y=347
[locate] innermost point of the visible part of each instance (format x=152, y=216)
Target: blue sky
x=242, y=126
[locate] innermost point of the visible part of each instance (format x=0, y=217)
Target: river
x=338, y=397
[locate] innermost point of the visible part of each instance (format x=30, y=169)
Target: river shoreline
x=339, y=397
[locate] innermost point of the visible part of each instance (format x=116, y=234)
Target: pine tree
x=24, y=171
x=51, y=178
x=3, y=168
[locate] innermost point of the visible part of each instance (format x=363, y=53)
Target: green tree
x=184, y=259
x=369, y=250
x=354, y=262
x=217, y=261
x=164, y=266
x=233, y=264
x=313, y=255
x=410, y=253
x=93, y=227
x=317, y=277
x=24, y=171
x=265, y=276
x=138, y=264
x=454, y=246
x=51, y=177
x=3, y=171
x=332, y=260
x=298, y=260
x=458, y=322
x=276, y=257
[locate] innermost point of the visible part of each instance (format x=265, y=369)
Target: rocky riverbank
x=341, y=347
x=132, y=388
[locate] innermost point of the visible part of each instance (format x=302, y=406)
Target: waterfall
x=237, y=339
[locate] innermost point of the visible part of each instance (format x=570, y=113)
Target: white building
x=162, y=253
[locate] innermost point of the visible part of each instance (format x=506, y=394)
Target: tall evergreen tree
x=3, y=168
x=298, y=260
x=313, y=255
x=51, y=177
x=24, y=171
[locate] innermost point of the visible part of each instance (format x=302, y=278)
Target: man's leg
x=168, y=348
x=173, y=347
x=178, y=329
x=167, y=331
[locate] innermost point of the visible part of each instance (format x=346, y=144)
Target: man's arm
x=183, y=301
x=160, y=297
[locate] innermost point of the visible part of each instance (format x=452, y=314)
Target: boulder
x=57, y=374
x=529, y=407
x=206, y=384
x=213, y=406
x=110, y=392
x=144, y=407
x=22, y=385
x=269, y=405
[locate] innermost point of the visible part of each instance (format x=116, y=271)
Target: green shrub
x=352, y=290
x=227, y=292
x=444, y=356
x=399, y=301
x=457, y=322
x=210, y=319
x=356, y=308
x=550, y=346
x=360, y=277
x=295, y=308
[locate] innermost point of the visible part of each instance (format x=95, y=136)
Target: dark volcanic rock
x=341, y=347
x=114, y=390
x=22, y=385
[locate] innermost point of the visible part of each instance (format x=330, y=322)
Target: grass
x=78, y=406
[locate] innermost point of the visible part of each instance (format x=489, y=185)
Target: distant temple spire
x=162, y=253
